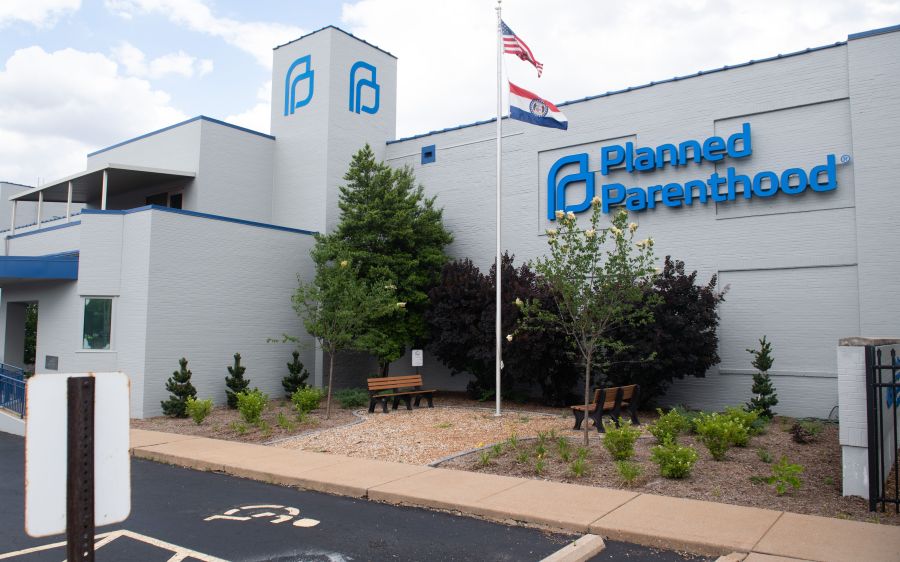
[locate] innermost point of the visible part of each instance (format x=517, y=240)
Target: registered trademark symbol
x=845, y=159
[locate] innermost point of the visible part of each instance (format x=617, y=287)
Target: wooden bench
x=612, y=400
x=398, y=388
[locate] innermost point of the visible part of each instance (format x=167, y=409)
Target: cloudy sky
x=78, y=75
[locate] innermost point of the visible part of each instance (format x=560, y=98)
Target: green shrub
x=579, y=467
x=540, y=450
x=669, y=425
x=179, y=384
x=239, y=427
x=296, y=377
x=284, y=422
x=251, y=404
x=718, y=433
x=785, y=474
x=619, y=441
x=764, y=455
x=582, y=453
x=352, y=397
x=306, y=400
x=484, y=458
x=675, y=461
x=539, y=465
x=523, y=457
x=742, y=417
x=689, y=417
x=198, y=409
x=236, y=383
x=806, y=431
x=564, y=448
x=497, y=449
x=513, y=442
x=264, y=428
x=628, y=471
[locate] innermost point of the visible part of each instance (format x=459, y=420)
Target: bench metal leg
x=579, y=417
x=597, y=416
x=408, y=401
x=384, y=405
x=633, y=406
x=395, y=403
x=418, y=399
x=372, y=402
x=430, y=399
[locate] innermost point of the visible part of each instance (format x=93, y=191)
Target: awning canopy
x=54, y=267
x=88, y=186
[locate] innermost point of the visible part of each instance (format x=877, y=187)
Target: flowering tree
x=338, y=308
x=596, y=278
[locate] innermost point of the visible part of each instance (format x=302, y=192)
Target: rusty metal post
x=80, y=486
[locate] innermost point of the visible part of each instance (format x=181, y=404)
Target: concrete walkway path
x=674, y=523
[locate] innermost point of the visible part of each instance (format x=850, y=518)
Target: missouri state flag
x=531, y=108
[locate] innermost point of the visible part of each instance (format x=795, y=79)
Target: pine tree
x=297, y=377
x=763, y=389
x=179, y=384
x=236, y=383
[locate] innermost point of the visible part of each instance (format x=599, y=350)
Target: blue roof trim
x=199, y=215
x=873, y=32
x=632, y=88
x=191, y=120
x=338, y=29
x=43, y=230
x=53, y=266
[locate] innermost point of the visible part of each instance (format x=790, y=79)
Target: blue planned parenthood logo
x=296, y=77
x=357, y=85
x=721, y=186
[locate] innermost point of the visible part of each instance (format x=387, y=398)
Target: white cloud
x=40, y=13
x=259, y=116
x=447, y=73
x=255, y=38
x=181, y=63
x=57, y=106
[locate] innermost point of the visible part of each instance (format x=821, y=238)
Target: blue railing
x=12, y=389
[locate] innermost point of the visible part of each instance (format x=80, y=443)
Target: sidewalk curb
x=579, y=550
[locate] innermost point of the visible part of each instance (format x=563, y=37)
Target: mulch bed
x=225, y=423
x=728, y=481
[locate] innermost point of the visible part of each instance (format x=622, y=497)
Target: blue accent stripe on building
x=642, y=86
x=45, y=229
x=191, y=120
x=873, y=32
x=199, y=215
x=54, y=266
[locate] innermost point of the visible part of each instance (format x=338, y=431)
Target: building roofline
x=872, y=32
x=851, y=37
x=17, y=184
x=347, y=33
x=191, y=120
x=199, y=215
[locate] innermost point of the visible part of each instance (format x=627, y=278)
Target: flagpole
x=498, y=325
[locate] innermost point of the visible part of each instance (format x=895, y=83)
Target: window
x=97, y=323
x=429, y=154
x=175, y=200
x=160, y=199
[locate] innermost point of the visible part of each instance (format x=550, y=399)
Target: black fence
x=883, y=397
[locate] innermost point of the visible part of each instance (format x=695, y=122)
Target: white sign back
x=46, y=451
x=417, y=358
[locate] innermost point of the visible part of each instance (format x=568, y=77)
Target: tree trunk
x=330, y=385
x=587, y=397
x=385, y=367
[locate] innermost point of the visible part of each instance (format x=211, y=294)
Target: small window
x=175, y=200
x=429, y=154
x=97, y=323
x=159, y=199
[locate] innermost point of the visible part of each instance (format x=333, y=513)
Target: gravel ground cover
x=225, y=423
x=729, y=481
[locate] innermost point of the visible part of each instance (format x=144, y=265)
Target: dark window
x=175, y=200
x=429, y=153
x=97, y=323
x=161, y=199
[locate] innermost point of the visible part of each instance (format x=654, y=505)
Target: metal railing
x=12, y=389
x=883, y=395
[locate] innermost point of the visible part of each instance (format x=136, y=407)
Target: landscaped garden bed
x=278, y=420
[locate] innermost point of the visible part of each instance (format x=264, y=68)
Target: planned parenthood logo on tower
x=298, y=79
x=357, y=85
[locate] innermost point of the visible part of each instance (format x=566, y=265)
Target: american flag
x=512, y=45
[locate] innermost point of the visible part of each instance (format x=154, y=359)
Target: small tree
x=764, y=391
x=179, y=384
x=595, y=276
x=236, y=383
x=338, y=307
x=297, y=376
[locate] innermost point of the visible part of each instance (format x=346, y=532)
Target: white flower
x=390, y=286
x=551, y=232
x=560, y=214
x=615, y=230
x=509, y=337
x=632, y=226
x=344, y=263
x=570, y=215
x=401, y=305
x=519, y=302
x=658, y=270
x=595, y=201
x=590, y=233
x=645, y=242
x=624, y=212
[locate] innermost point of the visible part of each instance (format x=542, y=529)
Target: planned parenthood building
x=777, y=175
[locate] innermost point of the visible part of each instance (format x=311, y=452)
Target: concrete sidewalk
x=690, y=525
